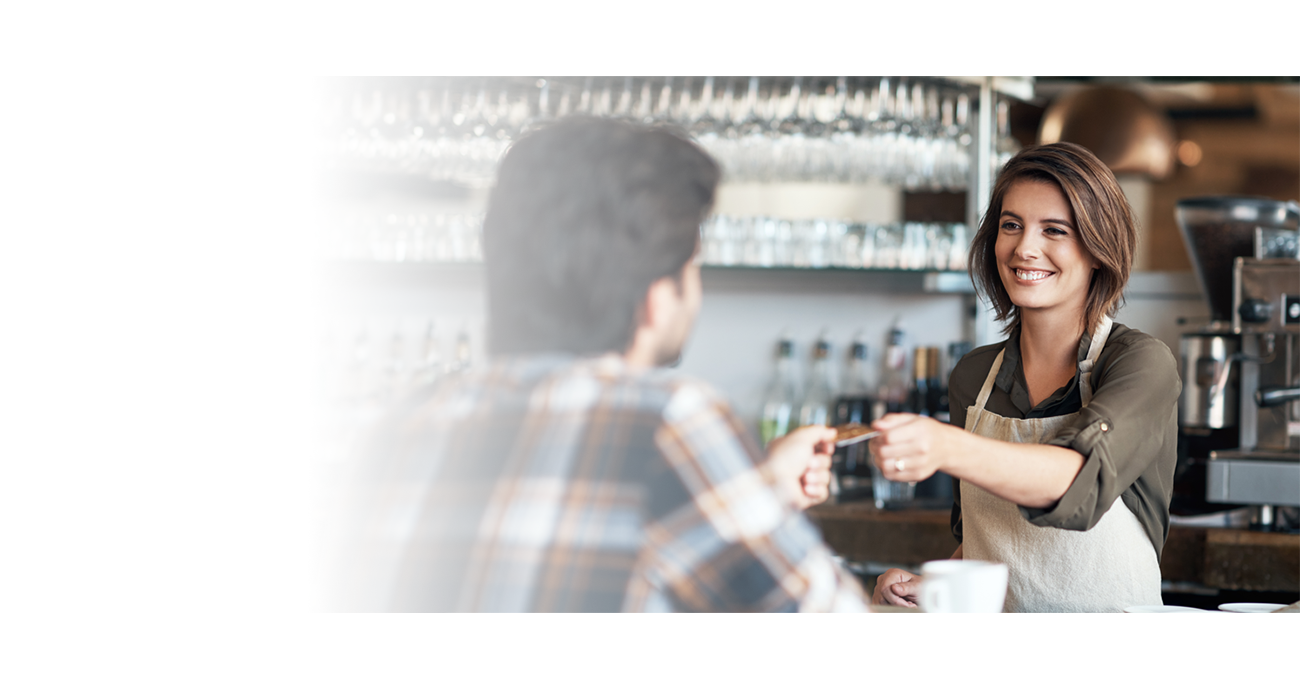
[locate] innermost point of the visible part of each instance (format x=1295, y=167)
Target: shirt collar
x=1011, y=377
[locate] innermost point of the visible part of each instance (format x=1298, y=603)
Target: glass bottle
x=782, y=396
x=956, y=351
x=395, y=367
x=935, y=385
x=358, y=382
x=816, y=406
x=430, y=366
x=931, y=386
x=858, y=374
x=920, y=389
x=851, y=465
x=462, y=361
x=892, y=396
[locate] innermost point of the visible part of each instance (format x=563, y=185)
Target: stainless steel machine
x=1239, y=415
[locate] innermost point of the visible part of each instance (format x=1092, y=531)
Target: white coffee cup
x=963, y=586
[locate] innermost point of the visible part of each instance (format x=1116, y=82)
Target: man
x=573, y=473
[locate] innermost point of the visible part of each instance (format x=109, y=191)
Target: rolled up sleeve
x=1122, y=434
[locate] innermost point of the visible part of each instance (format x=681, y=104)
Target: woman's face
x=1041, y=260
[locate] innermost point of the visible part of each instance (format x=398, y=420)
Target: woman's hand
x=799, y=463
x=912, y=447
x=897, y=587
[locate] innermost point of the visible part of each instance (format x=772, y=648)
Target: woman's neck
x=1049, y=351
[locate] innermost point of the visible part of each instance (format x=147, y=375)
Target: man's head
x=586, y=221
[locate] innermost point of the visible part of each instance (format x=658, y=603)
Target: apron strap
x=987, y=389
x=1094, y=351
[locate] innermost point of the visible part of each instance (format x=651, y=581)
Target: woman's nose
x=1027, y=247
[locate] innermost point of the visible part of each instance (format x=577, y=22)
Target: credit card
x=852, y=433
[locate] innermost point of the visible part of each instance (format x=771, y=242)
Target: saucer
x=1250, y=607
x=1162, y=609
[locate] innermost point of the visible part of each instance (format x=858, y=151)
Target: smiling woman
x=1045, y=270
x=1073, y=192
x=1040, y=260
x=1064, y=436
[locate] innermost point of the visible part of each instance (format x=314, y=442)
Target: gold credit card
x=851, y=433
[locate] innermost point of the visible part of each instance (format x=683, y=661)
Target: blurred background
x=834, y=263
x=843, y=217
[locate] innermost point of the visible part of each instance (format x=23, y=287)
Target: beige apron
x=1104, y=569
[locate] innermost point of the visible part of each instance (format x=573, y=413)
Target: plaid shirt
x=547, y=483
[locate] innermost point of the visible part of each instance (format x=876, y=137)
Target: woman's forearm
x=1034, y=476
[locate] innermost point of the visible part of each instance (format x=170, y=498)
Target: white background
x=155, y=521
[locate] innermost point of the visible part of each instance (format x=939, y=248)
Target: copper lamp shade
x=1125, y=131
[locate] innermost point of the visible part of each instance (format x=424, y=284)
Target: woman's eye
x=1056, y=232
x=1008, y=225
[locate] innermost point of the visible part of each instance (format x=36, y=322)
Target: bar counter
x=1215, y=558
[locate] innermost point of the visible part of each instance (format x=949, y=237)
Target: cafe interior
x=835, y=278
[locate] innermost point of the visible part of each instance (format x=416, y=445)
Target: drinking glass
x=889, y=494
x=888, y=247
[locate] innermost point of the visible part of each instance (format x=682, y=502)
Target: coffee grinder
x=1239, y=413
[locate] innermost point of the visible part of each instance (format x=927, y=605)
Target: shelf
x=373, y=273
x=720, y=278
x=834, y=280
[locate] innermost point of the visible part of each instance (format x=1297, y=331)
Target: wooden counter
x=1217, y=558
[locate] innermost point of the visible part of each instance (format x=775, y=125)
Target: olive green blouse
x=1128, y=434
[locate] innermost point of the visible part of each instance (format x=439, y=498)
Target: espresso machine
x=1239, y=413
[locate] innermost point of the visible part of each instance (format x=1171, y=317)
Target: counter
x=1215, y=558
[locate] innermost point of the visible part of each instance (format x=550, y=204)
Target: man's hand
x=897, y=587
x=800, y=464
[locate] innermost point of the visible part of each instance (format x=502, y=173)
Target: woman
x=1065, y=467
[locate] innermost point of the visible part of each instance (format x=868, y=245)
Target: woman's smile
x=1028, y=276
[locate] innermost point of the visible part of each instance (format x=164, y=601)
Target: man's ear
x=658, y=302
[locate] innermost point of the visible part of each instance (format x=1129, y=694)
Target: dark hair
x=585, y=215
x=1101, y=214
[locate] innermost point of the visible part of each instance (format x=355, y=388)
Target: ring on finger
x=898, y=465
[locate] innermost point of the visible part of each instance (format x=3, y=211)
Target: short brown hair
x=586, y=214
x=1102, y=217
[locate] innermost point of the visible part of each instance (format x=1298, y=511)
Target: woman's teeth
x=1031, y=275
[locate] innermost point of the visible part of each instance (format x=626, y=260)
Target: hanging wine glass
x=819, y=112
x=604, y=106
x=565, y=107
x=727, y=133
x=541, y=115
x=789, y=137
x=680, y=114
x=965, y=141
x=663, y=110
x=945, y=163
x=701, y=118
x=844, y=130
x=585, y=103
x=624, y=108
x=643, y=110
x=750, y=134
x=926, y=139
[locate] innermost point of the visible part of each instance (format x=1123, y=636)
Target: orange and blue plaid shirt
x=550, y=483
